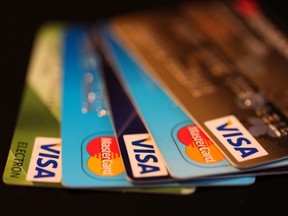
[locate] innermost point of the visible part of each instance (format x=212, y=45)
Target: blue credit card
x=90, y=152
x=141, y=157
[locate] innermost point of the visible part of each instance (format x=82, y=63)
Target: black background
x=19, y=23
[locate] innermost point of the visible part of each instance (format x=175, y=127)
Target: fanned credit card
x=35, y=156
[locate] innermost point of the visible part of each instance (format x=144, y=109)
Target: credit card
x=34, y=158
x=236, y=112
x=140, y=154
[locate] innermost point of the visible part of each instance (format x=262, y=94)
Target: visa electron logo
x=144, y=156
x=199, y=147
x=45, y=163
x=105, y=157
x=236, y=138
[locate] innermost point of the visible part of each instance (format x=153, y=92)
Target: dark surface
x=19, y=22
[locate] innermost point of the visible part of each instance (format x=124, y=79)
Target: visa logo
x=45, y=163
x=144, y=156
x=236, y=138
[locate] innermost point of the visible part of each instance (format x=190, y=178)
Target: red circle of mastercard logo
x=198, y=146
x=105, y=158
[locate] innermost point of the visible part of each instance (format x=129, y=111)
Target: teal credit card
x=91, y=157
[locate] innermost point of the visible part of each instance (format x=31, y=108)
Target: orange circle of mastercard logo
x=198, y=146
x=105, y=157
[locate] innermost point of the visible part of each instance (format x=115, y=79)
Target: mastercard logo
x=198, y=146
x=105, y=158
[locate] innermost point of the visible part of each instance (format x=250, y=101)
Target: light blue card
x=171, y=128
x=86, y=129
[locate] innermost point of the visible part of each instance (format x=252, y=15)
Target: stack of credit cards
x=159, y=101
